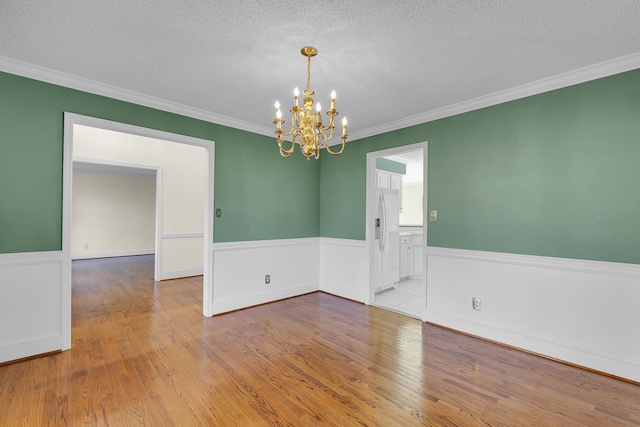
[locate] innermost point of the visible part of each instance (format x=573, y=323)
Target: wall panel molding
x=240, y=269
x=344, y=268
x=351, y=243
x=561, y=308
x=30, y=309
x=30, y=258
x=261, y=244
x=181, y=235
x=566, y=264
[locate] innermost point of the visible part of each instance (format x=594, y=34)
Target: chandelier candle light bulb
x=306, y=126
x=318, y=115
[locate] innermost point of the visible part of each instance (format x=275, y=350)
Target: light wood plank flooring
x=144, y=355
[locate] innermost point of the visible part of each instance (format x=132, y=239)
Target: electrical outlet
x=475, y=303
x=267, y=279
x=86, y=246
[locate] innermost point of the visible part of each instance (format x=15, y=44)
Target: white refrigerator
x=387, y=239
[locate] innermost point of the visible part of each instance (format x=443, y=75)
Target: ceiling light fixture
x=306, y=126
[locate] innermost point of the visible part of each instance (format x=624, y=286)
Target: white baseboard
x=582, y=312
x=343, y=291
x=30, y=304
x=112, y=254
x=540, y=345
x=29, y=347
x=267, y=297
x=178, y=274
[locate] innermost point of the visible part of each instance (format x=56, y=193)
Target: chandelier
x=306, y=126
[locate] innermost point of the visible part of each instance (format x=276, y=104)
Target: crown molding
x=48, y=75
x=581, y=75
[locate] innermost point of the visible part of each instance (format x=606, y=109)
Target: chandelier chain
x=308, y=73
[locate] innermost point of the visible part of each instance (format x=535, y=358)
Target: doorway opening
x=116, y=209
x=397, y=229
x=74, y=123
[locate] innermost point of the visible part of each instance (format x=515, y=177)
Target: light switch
x=218, y=213
x=433, y=215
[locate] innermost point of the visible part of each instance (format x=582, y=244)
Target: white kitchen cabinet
x=406, y=257
x=417, y=258
x=396, y=184
x=383, y=179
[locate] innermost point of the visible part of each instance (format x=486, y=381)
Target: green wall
x=554, y=174
x=263, y=196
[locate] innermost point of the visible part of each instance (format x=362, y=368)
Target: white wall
x=182, y=195
x=411, y=205
x=113, y=215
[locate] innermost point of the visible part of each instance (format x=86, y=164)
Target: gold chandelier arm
x=287, y=152
x=322, y=140
x=294, y=119
x=331, y=126
x=335, y=153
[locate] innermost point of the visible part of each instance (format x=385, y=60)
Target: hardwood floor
x=143, y=355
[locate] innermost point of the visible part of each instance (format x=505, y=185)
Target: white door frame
x=71, y=119
x=370, y=214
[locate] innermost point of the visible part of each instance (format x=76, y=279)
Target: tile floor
x=406, y=298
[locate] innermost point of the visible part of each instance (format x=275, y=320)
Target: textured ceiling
x=386, y=60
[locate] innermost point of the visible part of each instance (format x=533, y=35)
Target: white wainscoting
x=181, y=255
x=344, y=268
x=30, y=304
x=239, y=270
x=582, y=312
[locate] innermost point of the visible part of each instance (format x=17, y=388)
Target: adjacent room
x=356, y=213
